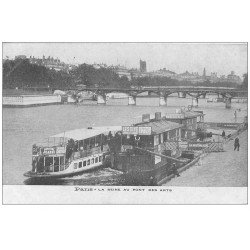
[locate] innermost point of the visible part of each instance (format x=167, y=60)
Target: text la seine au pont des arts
x=100, y=189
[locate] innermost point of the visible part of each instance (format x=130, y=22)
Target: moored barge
x=155, y=148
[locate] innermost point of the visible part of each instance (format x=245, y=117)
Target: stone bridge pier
x=131, y=100
x=101, y=99
x=162, y=100
x=181, y=94
x=195, y=102
x=228, y=102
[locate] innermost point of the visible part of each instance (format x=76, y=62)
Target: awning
x=84, y=133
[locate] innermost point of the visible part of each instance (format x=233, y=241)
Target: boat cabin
x=74, y=145
x=191, y=121
x=144, y=146
x=155, y=134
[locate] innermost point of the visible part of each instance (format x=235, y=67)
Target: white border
x=75, y=195
x=125, y=227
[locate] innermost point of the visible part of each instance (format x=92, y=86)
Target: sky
x=178, y=57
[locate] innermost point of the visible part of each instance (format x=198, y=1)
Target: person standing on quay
x=235, y=115
x=223, y=134
x=237, y=144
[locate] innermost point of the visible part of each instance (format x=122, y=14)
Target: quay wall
x=185, y=167
x=30, y=100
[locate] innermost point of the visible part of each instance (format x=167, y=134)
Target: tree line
x=20, y=73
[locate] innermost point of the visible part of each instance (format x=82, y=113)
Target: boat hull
x=59, y=175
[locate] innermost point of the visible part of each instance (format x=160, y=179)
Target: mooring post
x=162, y=100
x=195, y=102
x=101, y=99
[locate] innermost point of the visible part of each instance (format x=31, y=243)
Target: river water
x=22, y=127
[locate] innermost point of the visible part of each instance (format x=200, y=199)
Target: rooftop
x=160, y=126
x=85, y=133
x=184, y=115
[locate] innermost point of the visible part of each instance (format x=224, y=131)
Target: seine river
x=22, y=127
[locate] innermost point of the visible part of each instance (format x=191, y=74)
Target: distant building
x=162, y=73
x=213, y=77
x=143, y=66
x=233, y=78
x=51, y=63
x=122, y=71
x=191, y=77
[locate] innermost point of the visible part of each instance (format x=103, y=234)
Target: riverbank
x=224, y=169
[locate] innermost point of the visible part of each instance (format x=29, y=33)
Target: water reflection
x=100, y=177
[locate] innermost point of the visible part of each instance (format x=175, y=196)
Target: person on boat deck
x=237, y=144
x=235, y=114
x=70, y=148
x=137, y=140
x=223, y=134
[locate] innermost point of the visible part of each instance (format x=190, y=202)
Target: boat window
x=80, y=164
x=85, y=144
x=92, y=161
x=61, y=167
x=88, y=162
x=81, y=144
x=84, y=163
x=76, y=146
x=40, y=165
x=75, y=165
x=96, y=159
x=61, y=160
x=56, y=161
x=92, y=142
x=56, y=168
x=98, y=140
x=172, y=134
x=48, y=161
x=100, y=158
x=104, y=139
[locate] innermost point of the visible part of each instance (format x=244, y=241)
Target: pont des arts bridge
x=164, y=92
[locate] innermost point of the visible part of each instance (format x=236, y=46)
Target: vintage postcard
x=125, y=123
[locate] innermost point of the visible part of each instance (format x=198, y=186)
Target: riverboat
x=71, y=153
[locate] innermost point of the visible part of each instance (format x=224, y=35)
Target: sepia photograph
x=133, y=116
x=124, y=125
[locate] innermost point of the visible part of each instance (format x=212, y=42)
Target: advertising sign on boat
x=131, y=130
x=49, y=151
x=60, y=150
